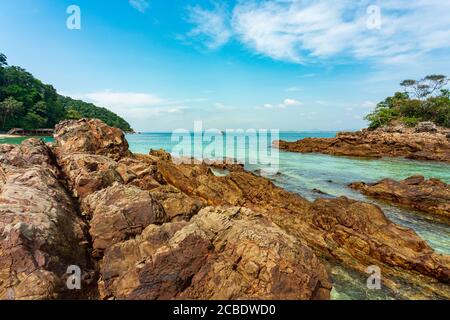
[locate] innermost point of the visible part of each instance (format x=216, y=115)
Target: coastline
x=391, y=142
x=169, y=198
x=9, y=136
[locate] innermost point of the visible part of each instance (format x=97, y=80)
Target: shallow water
x=17, y=140
x=301, y=173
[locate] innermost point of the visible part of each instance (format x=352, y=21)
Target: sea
x=306, y=173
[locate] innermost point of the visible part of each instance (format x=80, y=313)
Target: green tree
x=9, y=108
x=34, y=121
x=73, y=114
x=41, y=106
x=430, y=102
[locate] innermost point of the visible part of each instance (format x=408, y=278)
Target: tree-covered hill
x=26, y=102
x=421, y=100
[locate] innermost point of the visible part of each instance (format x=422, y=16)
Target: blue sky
x=289, y=65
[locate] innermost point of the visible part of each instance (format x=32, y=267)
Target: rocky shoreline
x=429, y=196
x=144, y=227
x=384, y=142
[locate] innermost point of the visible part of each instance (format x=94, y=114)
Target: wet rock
x=352, y=233
x=222, y=253
x=378, y=143
x=318, y=191
x=430, y=196
x=258, y=241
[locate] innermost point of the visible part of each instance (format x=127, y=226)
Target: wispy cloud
x=140, y=5
x=211, y=26
x=134, y=105
x=124, y=99
x=302, y=31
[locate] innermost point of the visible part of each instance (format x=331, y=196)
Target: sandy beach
x=7, y=136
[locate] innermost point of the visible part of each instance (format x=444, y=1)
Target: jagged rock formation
x=378, y=143
x=430, y=196
x=90, y=137
x=41, y=233
x=353, y=233
x=222, y=253
x=163, y=230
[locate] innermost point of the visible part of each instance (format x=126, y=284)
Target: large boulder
x=86, y=173
x=90, y=136
x=222, y=253
x=119, y=213
x=41, y=234
x=430, y=196
x=177, y=205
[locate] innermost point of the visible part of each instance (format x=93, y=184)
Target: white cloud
x=133, y=105
x=286, y=103
x=290, y=102
x=140, y=5
x=210, y=26
x=124, y=99
x=302, y=31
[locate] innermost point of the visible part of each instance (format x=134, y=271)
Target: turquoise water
x=301, y=173
x=20, y=139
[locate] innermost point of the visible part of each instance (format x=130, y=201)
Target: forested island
x=26, y=102
x=421, y=100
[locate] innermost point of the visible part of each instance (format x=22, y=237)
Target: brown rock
x=223, y=253
x=235, y=253
x=87, y=173
x=41, y=234
x=352, y=233
x=140, y=172
x=430, y=196
x=119, y=213
x=90, y=136
x=161, y=154
x=29, y=153
x=177, y=205
x=378, y=143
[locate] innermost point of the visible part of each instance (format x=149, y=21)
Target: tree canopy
x=421, y=100
x=26, y=102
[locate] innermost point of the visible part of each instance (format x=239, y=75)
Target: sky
x=281, y=64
